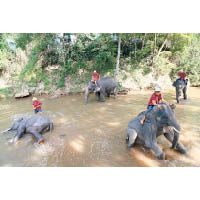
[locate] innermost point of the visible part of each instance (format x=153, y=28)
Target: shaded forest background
x=46, y=63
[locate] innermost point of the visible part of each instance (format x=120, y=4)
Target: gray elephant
x=35, y=125
x=104, y=86
x=158, y=121
x=181, y=86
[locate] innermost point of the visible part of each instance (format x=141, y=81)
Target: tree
x=118, y=57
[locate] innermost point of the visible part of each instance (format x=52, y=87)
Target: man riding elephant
x=35, y=125
x=181, y=84
x=158, y=121
x=102, y=87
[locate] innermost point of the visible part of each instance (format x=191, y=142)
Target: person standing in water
x=36, y=106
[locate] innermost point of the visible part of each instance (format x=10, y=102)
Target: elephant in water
x=104, y=86
x=181, y=86
x=158, y=121
x=35, y=125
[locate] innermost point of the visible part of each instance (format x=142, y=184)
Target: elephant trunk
x=6, y=131
x=86, y=95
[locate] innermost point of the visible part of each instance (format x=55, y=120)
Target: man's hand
x=159, y=106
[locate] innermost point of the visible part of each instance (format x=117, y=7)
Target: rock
x=54, y=97
x=22, y=94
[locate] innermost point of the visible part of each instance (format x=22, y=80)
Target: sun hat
x=157, y=89
x=34, y=99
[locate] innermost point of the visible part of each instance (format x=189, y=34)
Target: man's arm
x=164, y=101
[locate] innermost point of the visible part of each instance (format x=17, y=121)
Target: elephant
x=35, y=125
x=104, y=86
x=158, y=121
x=180, y=86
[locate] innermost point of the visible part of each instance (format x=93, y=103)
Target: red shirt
x=37, y=103
x=182, y=75
x=95, y=76
x=155, y=98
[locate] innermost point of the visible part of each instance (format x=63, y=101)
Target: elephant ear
x=19, y=120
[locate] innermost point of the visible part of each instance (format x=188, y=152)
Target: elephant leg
x=131, y=137
x=108, y=94
x=98, y=96
x=115, y=92
x=38, y=136
x=158, y=151
x=185, y=93
x=102, y=96
x=18, y=135
x=179, y=147
x=178, y=96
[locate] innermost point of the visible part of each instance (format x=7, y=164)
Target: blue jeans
x=37, y=111
x=149, y=107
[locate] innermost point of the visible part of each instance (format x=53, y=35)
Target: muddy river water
x=94, y=135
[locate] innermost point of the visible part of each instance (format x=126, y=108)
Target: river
x=94, y=135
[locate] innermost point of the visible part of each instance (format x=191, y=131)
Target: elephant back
x=107, y=82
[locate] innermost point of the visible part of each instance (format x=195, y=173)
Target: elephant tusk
x=176, y=130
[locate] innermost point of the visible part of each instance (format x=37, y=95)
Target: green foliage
x=190, y=62
x=163, y=64
x=23, y=39
x=6, y=91
x=104, y=62
x=159, y=53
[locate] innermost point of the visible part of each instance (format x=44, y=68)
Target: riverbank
x=74, y=84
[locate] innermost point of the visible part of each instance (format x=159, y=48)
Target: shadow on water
x=94, y=135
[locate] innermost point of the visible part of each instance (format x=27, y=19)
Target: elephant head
x=16, y=125
x=165, y=116
x=91, y=88
x=179, y=84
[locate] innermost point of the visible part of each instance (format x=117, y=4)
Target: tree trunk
x=154, y=49
x=143, y=40
x=135, y=49
x=163, y=44
x=155, y=38
x=118, y=57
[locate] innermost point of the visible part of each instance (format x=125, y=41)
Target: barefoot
x=18, y=142
x=10, y=141
x=41, y=141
